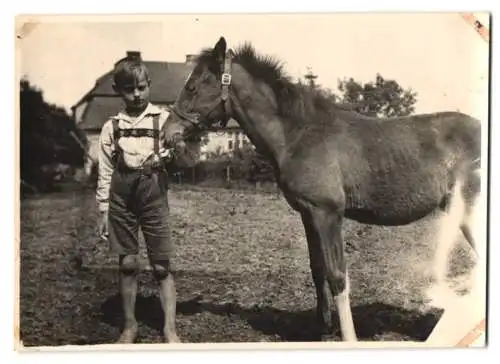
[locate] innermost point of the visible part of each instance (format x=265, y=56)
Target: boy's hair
x=129, y=69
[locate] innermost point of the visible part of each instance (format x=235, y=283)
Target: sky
x=438, y=55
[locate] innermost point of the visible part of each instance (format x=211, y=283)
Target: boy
x=131, y=192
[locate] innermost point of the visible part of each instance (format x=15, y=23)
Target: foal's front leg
x=327, y=223
x=318, y=275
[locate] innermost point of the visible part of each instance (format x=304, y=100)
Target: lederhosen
x=138, y=198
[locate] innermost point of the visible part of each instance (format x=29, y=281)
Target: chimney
x=134, y=55
x=190, y=59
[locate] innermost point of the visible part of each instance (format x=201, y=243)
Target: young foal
x=332, y=163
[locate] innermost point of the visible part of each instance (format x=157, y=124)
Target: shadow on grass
x=371, y=320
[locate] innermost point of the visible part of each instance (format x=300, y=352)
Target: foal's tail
x=476, y=164
x=471, y=194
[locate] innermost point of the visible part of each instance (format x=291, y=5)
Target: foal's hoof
x=172, y=339
x=328, y=337
x=128, y=336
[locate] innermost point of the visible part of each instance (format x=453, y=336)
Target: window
x=230, y=144
x=230, y=134
x=237, y=144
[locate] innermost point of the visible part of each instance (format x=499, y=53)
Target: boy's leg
x=129, y=267
x=154, y=223
x=124, y=241
x=165, y=278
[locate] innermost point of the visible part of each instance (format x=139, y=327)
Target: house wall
x=224, y=141
x=78, y=112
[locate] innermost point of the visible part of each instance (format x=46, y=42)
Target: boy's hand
x=180, y=146
x=102, y=228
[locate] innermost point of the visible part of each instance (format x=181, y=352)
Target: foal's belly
x=388, y=218
x=392, y=208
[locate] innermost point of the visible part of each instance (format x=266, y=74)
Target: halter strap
x=226, y=76
x=226, y=83
x=224, y=97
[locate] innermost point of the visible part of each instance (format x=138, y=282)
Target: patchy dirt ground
x=242, y=274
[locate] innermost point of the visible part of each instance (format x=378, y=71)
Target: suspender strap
x=116, y=133
x=156, y=127
x=155, y=164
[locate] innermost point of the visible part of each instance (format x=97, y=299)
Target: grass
x=242, y=274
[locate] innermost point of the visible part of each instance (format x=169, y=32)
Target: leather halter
x=199, y=120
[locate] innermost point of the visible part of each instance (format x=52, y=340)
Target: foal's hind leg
x=448, y=229
x=327, y=223
x=471, y=193
x=473, y=229
x=469, y=308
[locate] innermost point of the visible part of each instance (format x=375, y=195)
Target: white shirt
x=135, y=150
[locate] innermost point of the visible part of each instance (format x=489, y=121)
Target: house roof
x=168, y=78
x=99, y=110
x=167, y=81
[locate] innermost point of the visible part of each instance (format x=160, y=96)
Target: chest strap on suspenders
x=154, y=162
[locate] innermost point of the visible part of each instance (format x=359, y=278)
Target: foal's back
x=386, y=171
x=408, y=165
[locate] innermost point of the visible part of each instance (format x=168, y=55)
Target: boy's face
x=135, y=93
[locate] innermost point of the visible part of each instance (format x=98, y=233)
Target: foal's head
x=204, y=99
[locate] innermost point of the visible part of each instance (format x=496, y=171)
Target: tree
x=381, y=98
x=45, y=136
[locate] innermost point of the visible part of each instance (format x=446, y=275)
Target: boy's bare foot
x=171, y=337
x=128, y=335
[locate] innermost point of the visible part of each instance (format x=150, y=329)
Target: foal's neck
x=255, y=111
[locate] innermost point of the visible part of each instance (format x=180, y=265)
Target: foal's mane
x=296, y=101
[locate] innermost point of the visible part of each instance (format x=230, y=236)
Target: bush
x=244, y=166
x=46, y=141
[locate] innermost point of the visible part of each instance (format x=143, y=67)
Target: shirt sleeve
x=163, y=123
x=164, y=151
x=105, y=166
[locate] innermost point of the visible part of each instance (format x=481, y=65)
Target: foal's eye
x=190, y=87
x=206, y=78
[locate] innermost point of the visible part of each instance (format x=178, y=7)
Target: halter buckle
x=226, y=79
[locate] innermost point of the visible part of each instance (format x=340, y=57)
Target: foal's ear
x=220, y=49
